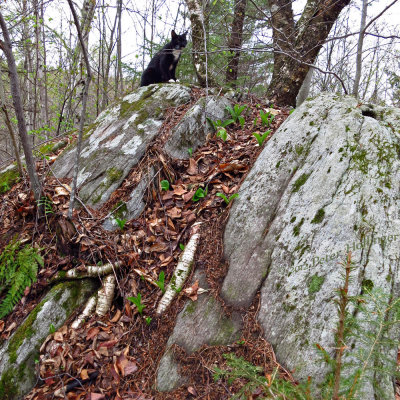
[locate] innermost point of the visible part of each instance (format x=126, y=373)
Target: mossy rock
x=20, y=352
x=118, y=139
x=8, y=177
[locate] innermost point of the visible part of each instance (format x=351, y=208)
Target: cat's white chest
x=176, y=53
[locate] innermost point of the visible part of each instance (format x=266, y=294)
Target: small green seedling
x=52, y=329
x=261, y=138
x=190, y=151
x=137, y=301
x=164, y=185
x=236, y=112
x=121, y=223
x=266, y=118
x=161, y=281
x=226, y=199
x=292, y=110
x=148, y=320
x=200, y=194
x=182, y=246
x=219, y=126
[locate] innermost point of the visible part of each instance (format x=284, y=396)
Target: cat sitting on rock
x=163, y=65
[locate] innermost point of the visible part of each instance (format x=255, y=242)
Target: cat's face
x=178, y=41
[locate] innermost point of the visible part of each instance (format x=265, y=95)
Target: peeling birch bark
x=105, y=295
x=182, y=270
x=90, y=271
x=86, y=313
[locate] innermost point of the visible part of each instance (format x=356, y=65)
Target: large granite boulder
x=327, y=183
x=118, y=139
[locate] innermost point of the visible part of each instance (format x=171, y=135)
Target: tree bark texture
x=296, y=45
x=235, y=41
x=198, y=44
x=85, y=56
x=19, y=113
x=360, y=48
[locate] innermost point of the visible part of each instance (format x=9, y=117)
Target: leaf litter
x=116, y=357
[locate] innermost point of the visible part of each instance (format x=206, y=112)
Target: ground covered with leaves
x=116, y=357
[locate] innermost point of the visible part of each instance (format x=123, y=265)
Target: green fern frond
x=18, y=269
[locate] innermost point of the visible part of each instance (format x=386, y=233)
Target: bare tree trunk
x=45, y=95
x=28, y=67
x=84, y=101
x=235, y=41
x=360, y=49
x=198, y=42
x=107, y=65
x=16, y=95
x=296, y=45
x=305, y=88
x=119, y=80
x=40, y=98
x=7, y=121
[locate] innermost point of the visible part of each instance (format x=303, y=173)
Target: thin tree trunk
x=9, y=126
x=19, y=113
x=235, y=41
x=198, y=42
x=84, y=101
x=360, y=49
x=119, y=81
x=45, y=92
x=305, y=88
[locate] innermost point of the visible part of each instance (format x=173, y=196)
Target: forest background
x=234, y=44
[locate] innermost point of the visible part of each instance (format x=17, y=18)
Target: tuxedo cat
x=162, y=66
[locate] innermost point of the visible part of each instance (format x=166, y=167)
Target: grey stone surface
x=200, y=322
x=118, y=139
x=135, y=205
x=192, y=130
x=326, y=183
x=19, y=352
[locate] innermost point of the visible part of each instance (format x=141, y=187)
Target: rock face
x=118, y=139
x=19, y=352
x=325, y=184
x=192, y=130
x=200, y=322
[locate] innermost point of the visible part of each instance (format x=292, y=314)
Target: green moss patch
x=296, y=229
x=319, y=216
x=315, y=284
x=8, y=179
x=300, y=182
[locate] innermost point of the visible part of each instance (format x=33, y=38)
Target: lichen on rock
x=118, y=140
x=19, y=353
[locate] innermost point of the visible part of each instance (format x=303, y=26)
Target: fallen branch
x=105, y=295
x=82, y=272
x=182, y=270
x=86, y=313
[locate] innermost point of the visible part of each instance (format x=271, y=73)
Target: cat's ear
x=173, y=34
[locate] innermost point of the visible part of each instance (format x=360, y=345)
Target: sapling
x=219, y=126
x=121, y=223
x=164, y=185
x=200, y=194
x=226, y=199
x=261, y=138
x=266, y=118
x=137, y=301
x=161, y=281
x=236, y=112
